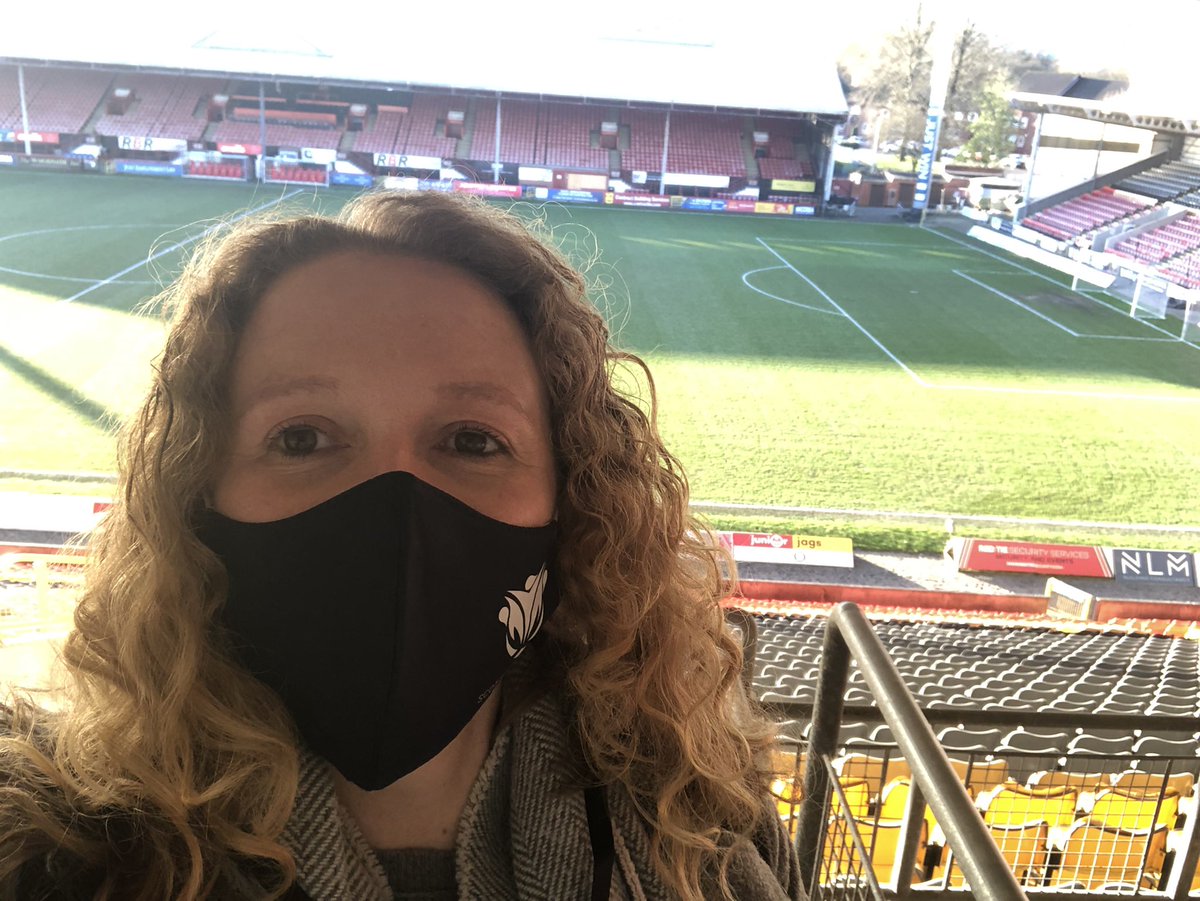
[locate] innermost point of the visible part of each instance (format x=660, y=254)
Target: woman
x=383, y=465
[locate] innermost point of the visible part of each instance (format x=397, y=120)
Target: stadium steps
x=467, y=141
x=346, y=141
x=748, y=147
x=89, y=127
x=210, y=132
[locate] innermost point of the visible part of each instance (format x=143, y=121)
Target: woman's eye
x=475, y=443
x=298, y=440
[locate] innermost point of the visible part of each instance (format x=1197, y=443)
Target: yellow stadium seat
x=1124, y=811
x=1024, y=846
x=980, y=775
x=1014, y=805
x=1138, y=782
x=1094, y=855
x=1081, y=782
x=881, y=838
x=877, y=771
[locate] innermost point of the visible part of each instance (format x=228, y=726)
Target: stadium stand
x=58, y=100
x=568, y=134
x=706, y=144
x=1076, y=808
x=1075, y=218
x=163, y=106
x=232, y=131
x=384, y=132
x=645, y=139
x=786, y=154
x=1165, y=182
x=426, y=131
x=1180, y=236
x=518, y=131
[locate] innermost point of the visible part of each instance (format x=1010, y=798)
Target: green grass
x=983, y=407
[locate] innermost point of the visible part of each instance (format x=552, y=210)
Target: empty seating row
x=1074, y=218
x=1164, y=182
x=980, y=668
x=161, y=106
x=57, y=100
x=1177, y=237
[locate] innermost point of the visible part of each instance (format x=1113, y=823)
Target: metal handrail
x=849, y=635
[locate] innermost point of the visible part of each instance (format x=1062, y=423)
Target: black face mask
x=383, y=617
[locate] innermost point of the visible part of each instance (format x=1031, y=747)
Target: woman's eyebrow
x=491, y=392
x=274, y=388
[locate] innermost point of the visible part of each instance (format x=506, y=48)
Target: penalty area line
x=833, y=303
x=1013, y=300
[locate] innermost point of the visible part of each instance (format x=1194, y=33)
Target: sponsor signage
x=7, y=137
x=482, y=189
x=140, y=142
x=799, y=210
x=241, y=149
x=774, y=209
x=7, y=159
x=741, y=206
x=806, y=550
x=704, y=203
x=653, y=201
x=318, y=155
x=37, y=137
x=404, y=161
x=51, y=512
x=787, y=184
x=353, y=179
x=979, y=555
x=1067, y=601
x=933, y=124
x=146, y=167
x=1133, y=565
x=695, y=180
x=535, y=173
x=41, y=161
x=568, y=195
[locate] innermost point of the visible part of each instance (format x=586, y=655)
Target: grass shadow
x=55, y=388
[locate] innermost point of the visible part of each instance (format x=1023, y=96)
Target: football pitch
x=818, y=376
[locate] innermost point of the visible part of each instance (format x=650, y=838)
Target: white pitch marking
x=1046, y=392
x=72, y=278
x=895, y=359
x=1129, y=338
x=192, y=240
x=794, y=303
x=1013, y=300
x=1059, y=284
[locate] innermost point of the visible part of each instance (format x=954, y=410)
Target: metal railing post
x=822, y=741
x=848, y=634
x=910, y=834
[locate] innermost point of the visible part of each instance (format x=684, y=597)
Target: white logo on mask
x=522, y=617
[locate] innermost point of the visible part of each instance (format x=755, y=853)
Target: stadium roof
x=693, y=64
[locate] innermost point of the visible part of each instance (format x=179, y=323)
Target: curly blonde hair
x=196, y=761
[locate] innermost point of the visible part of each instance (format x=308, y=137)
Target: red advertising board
x=741, y=206
x=486, y=190
x=656, y=201
x=980, y=555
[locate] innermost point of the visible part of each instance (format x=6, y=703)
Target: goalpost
x=1149, y=297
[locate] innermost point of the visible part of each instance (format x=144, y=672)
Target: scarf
x=522, y=836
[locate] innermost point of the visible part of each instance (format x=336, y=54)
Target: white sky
x=533, y=37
